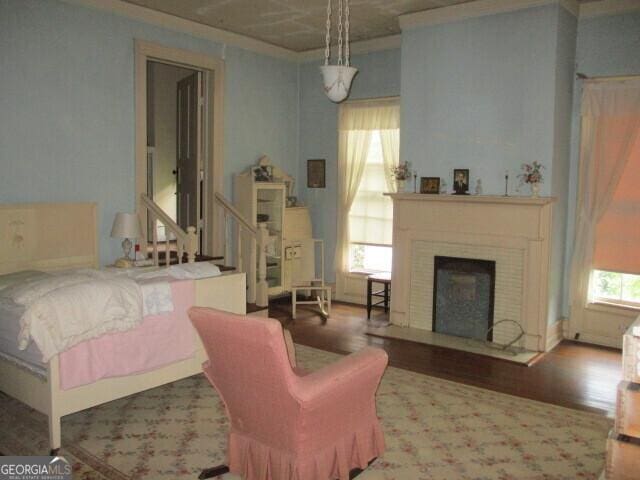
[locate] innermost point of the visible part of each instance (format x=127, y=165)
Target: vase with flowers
x=401, y=173
x=532, y=174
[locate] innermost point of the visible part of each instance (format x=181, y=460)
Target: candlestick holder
x=506, y=183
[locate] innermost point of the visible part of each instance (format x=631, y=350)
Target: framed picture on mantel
x=430, y=185
x=461, y=181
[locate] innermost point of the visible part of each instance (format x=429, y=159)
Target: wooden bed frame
x=51, y=237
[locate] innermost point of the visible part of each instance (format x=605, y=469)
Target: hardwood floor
x=572, y=375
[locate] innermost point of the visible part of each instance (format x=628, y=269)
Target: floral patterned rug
x=434, y=429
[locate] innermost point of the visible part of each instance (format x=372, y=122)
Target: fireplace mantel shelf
x=502, y=200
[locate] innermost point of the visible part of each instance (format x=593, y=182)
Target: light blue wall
x=379, y=76
x=606, y=46
x=490, y=94
x=261, y=112
x=67, y=106
x=479, y=94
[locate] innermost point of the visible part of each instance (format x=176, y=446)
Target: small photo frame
x=430, y=185
x=316, y=173
x=461, y=181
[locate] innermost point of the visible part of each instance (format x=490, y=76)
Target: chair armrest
x=354, y=375
x=291, y=350
x=338, y=401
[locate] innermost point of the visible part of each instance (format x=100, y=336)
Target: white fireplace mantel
x=498, y=199
x=513, y=231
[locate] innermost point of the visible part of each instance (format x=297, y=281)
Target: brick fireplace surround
x=515, y=232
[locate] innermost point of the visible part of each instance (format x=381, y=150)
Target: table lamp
x=126, y=226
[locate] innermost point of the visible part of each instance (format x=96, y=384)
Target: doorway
x=175, y=143
x=179, y=140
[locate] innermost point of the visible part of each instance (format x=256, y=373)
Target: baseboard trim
x=351, y=288
x=353, y=299
x=613, y=342
x=555, y=333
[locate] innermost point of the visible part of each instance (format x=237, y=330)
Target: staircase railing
x=186, y=242
x=257, y=290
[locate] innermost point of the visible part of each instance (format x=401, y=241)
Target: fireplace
x=463, y=297
x=514, y=232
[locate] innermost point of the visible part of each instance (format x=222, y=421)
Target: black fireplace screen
x=463, y=297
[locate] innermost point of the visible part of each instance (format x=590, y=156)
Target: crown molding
x=571, y=6
x=608, y=7
x=479, y=8
x=362, y=47
x=196, y=29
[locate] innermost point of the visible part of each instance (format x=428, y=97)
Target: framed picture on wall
x=430, y=185
x=316, y=173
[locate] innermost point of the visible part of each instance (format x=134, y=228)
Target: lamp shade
x=126, y=225
x=337, y=81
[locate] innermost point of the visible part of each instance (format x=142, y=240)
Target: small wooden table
x=385, y=279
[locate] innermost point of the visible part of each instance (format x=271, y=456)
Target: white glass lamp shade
x=337, y=81
x=126, y=225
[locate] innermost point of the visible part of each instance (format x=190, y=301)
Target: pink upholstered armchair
x=287, y=425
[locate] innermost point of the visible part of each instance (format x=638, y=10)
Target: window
x=606, y=248
x=614, y=287
x=616, y=264
x=371, y=216
x=368, y=148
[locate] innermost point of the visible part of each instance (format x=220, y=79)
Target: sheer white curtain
x=610, y=128
x=371, y=213
x=390, y=140
x=357, y=121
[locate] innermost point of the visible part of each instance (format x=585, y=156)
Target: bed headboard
x=48, y=236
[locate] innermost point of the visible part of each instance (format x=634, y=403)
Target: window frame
x=607, y=301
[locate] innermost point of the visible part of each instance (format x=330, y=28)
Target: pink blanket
x=159, y=340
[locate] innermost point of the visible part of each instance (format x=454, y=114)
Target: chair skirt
x=254, y=460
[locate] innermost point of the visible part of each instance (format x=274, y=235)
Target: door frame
x=213, y=159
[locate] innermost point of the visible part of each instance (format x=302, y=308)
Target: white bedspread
x=65, y=309
x=156, y=297
x=184, y=271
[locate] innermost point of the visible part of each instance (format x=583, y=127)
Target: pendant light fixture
x=337, y=78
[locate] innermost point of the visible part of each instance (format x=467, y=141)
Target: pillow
x=18, y=277
x=29, y=290
x=193, y=270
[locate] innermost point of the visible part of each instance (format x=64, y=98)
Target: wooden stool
x=385, y=293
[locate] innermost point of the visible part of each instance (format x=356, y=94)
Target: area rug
x=434, y=429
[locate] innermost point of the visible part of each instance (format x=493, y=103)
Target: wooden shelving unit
x=267, y=201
